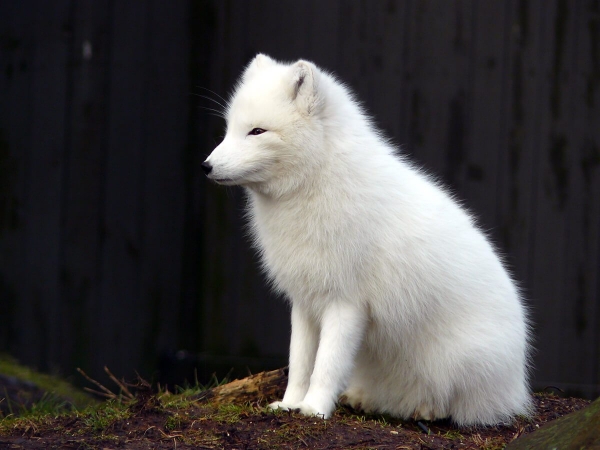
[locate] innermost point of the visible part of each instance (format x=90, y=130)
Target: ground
x=195, y=419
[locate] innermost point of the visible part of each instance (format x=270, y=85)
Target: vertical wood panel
x=201, y=26
x=16, y=61
x=579, y=300
x=525, y=84
x=440, y=42
x=163, y=193
x=590, y=57
x=352, y=57
x=487, y=108
x=84, y=180
x=551, y=185
x=371, y=48
x=390, y=94
x=323, y=35
x=42, y=203
x=123, y=219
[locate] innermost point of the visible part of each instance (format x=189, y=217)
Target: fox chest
x=304, y=256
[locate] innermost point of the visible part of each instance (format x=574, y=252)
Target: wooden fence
x=115, y=250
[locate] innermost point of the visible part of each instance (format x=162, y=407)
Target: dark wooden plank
x=41, y=341
x=440, y=39
x=515, y=158
x=524, y=86
x=202, y=128
x=374, y=62
x=590, y=53
x=351, y=54
x=17, y=46
x=119, y=345
x=551, y=184
x=580, y=120
x=488, y=63
x=84, y=183
x=388, y=92
x=372, y=58
x=168, y=96
x=323, y=34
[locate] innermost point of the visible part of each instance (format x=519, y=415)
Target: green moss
x=579, y=430
x=58, y=391
x=102, y=418
x=232, y=413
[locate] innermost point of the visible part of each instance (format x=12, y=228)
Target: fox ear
x=260, y=61
x=304, y=87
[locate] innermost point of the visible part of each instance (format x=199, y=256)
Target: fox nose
x=207, y=167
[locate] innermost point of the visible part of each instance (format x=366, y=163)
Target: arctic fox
x=399, y=303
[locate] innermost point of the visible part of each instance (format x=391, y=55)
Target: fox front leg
x=341, y=333
x=303, y=350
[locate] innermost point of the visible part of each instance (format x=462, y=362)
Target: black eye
x=256, y=131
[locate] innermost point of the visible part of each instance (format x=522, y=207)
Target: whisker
x=211, y=99
x=215, y=115
x=214, y=112
x=214, y=93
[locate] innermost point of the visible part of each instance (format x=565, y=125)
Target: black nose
x=206, y=167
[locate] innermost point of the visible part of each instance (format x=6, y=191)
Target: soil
x=201, y=423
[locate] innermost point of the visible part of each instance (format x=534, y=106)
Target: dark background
x=114, y=250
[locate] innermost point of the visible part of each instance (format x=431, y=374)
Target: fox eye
x=256, y=131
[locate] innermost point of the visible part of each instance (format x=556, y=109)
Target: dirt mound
x=203, y=421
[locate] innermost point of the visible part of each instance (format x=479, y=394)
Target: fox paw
x=301, y=407
x=424, y=412
x=281, y=405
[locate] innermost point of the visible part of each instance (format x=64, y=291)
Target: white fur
x=399, y=303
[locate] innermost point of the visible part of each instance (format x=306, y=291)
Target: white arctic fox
x=399, y=303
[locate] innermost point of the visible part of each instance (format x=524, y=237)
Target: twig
x=169, y=436
x=107, y=392
x=101, y=394
x=123, y=388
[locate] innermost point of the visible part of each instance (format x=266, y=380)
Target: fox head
x=273, y=127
